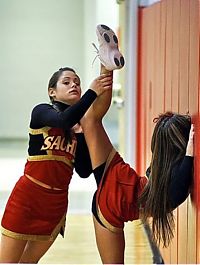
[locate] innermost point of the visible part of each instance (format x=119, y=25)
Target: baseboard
x=157, y=257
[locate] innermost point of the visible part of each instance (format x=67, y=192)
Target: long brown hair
x=168, y=146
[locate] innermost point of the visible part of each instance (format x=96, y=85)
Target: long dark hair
x=53, y=84
x=168, y=146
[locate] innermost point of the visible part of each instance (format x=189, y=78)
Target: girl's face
x=68, y=88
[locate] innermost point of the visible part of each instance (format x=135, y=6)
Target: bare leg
x=34, y=251
x=22, y=251
x=97, y=140
x=110, y=245
x=101, y=105
x=11, y=249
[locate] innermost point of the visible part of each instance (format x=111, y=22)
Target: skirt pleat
x=34, y=212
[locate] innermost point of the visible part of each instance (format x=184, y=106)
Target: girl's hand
x=77, y=128
x=102, y=83
x=190, y=144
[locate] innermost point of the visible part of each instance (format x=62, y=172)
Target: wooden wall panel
x=150, y=82
x=171, y=70
x=161, y=88
x=146, y=102
x=162, y=55
x=157, y=84
x=184, y=56
x=173, y=248
x=168, y=56
x=141, y=107
x=197, y=164
x=193, y=110
x=175, y=35
x=183, y=107
x=143, y=95
x=171, y=86
x=175, y=52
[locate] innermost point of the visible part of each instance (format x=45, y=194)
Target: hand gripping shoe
x=108, y=51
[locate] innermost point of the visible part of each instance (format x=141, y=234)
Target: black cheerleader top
x=181, y=180
x=52, y=157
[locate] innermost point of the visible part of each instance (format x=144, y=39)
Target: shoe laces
x=97, y=51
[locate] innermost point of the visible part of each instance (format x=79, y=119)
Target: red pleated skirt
x=34, y=212
x=118, y=193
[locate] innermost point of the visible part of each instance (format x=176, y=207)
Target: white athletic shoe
x=108, y=51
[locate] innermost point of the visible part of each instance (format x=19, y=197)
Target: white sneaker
x=108, y=52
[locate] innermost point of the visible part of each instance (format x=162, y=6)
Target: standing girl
x=36, y=209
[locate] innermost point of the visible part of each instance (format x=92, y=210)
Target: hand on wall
x=190, y=145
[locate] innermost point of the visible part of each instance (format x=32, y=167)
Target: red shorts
x=34, y=212
x=117, y=194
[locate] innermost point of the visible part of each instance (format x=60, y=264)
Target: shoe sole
x=110, y=56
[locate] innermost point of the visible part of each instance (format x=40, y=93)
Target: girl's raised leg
x=110, y=245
